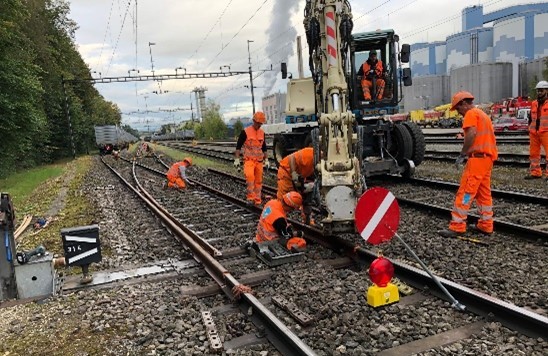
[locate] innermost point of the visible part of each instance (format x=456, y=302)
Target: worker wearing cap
x=273, y=221
x=293, y=173
x=255, y=157
x=176, y=175
x=538, y=131
x=480, y=149
x=372, y=70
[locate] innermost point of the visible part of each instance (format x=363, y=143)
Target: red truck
x=510, y=106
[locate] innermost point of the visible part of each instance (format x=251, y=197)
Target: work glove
x=295, y=178
x=460, y=160
x=308, y=187
x=237, y=163
x=266, y=164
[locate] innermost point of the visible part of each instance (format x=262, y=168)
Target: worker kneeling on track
x=176, y=176
x=273, y=221
x=294, y=174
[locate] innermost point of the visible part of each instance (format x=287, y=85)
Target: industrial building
x=273, y=106
x=497, y=55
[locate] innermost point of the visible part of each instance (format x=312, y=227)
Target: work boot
x=448, y=233
x=86, y=279
x=476, y=229
x=529, y=177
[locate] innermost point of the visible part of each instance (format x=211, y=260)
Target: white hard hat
x=543, y=84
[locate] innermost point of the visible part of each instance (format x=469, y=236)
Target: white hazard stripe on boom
x=89, y=240
x=377, y=217
x=331, y=36
x=82, y=255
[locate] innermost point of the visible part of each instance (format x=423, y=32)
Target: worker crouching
x=296, y=173
x=273, y=221
x=176, y=176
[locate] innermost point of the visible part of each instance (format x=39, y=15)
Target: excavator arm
x=328, y=25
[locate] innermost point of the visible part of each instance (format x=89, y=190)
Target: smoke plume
x=281, y=39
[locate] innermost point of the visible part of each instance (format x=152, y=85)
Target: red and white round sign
x=377, y=215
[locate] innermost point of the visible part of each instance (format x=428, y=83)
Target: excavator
x=352, y=138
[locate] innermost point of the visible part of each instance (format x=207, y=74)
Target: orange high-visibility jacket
x=174, y=170
x=539, y=115
x=253, y=144
x=301, y=162
x=272, y=211
x=485, y=142
x=378, y=69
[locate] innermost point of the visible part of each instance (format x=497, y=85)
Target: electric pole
x=251, y=77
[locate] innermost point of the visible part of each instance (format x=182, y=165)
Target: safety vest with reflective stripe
x=272, y=211
x=378, y=69
x=174, y=169
x=303, y=162
x=253, y=145
x=485, y=141
x=537, y=115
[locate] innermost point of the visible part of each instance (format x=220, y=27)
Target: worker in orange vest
x=273, y=221
x=372, y=70
x=294, y=174
x=176, y=175
x=538, y=131
x=480, y=148
x=255, y=157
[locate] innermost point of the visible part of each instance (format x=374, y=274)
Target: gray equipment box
x=81, y=245
x=35, y=278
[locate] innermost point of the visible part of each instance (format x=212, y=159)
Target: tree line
x=37, y=50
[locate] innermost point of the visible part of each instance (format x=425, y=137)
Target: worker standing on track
x=176, y=176
x=480, y=148
x=293, y=172
x=273, y=221
x=252, y=139
x=538, y=131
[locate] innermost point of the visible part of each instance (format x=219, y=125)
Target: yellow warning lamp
x=382, y=292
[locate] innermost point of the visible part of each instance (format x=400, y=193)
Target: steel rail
x=497, y=193
x=511, y=316
x=277, y=333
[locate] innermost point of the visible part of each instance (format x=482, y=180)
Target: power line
x=118, y=39
x=210, y=30
x=238, y=32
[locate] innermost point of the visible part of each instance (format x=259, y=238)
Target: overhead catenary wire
x=118, y=39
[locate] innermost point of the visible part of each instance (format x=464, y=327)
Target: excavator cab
x=384, y=81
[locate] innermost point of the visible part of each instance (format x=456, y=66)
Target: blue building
x=515, y=34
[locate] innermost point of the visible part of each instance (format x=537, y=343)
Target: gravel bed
x=152, y=318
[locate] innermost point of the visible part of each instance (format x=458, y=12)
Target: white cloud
x=193, y=34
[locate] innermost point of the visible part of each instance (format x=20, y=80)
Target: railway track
x=310, y=232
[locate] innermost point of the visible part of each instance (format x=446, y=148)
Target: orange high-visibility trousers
x=367, y=85
x=175, y=182
x=253, y=171
x=475, y=184
x=536, y=140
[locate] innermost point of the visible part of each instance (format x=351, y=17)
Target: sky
x=120, y=38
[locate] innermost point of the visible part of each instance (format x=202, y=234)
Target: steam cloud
x=281, y=38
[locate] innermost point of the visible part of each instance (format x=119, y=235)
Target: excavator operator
x=371, y=71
